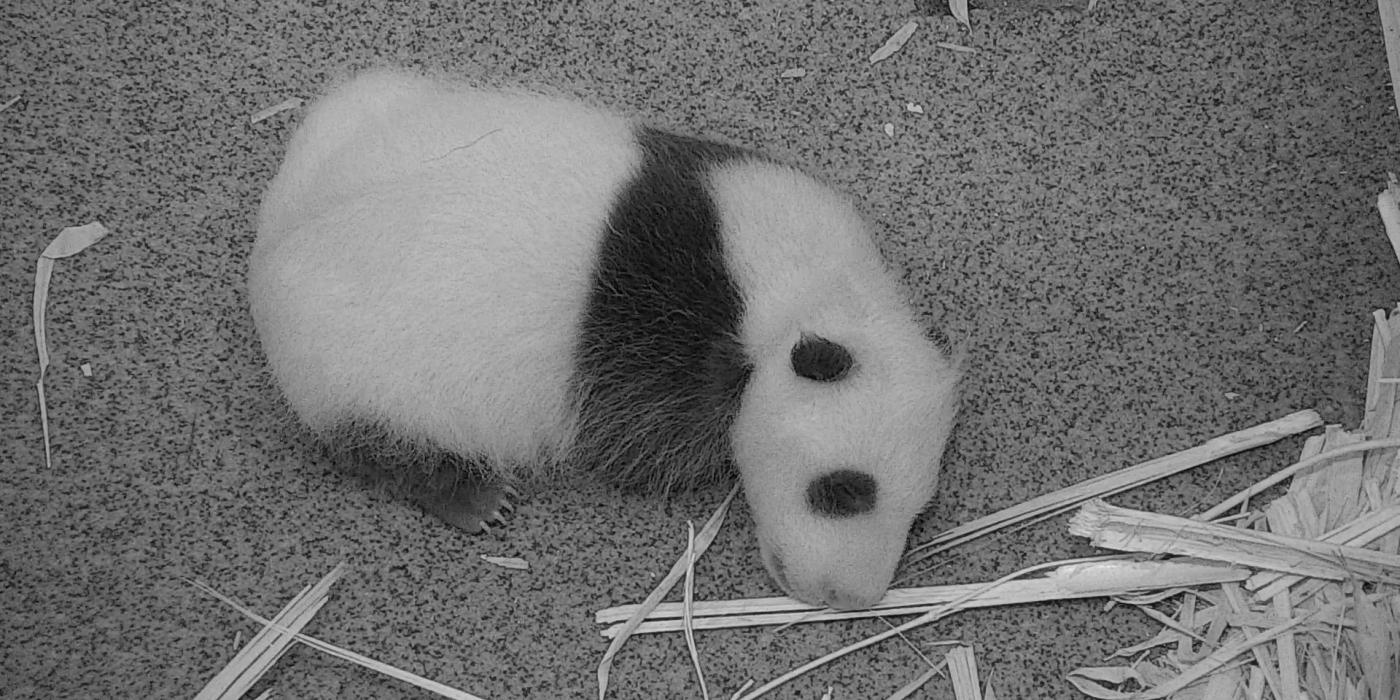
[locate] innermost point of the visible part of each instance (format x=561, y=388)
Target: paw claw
x=472, y=507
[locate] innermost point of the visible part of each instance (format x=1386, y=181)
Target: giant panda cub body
x=499, y=285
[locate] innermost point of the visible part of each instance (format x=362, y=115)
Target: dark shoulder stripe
x=658, y=366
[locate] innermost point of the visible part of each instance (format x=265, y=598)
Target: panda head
x=838, y=444
x=842, y=424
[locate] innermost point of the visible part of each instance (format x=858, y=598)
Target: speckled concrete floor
x=1150, y=225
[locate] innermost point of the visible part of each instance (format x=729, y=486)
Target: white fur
x=423, y=259
x=421, y=206
x=806, y=264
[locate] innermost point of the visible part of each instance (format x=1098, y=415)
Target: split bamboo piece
x=271, y=642
x=70, y=241
x=1130, y=530
x=962, y=668
x=1067, y=581
x=1065, y=499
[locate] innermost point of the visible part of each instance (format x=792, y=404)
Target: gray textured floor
x=1150, y=225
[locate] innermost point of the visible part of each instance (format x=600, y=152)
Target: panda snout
x=823, y=591
x=842, y=494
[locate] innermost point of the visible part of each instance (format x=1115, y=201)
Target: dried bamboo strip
x=1380, y=395
x=283, y=106
x=1219, y=658
x=1283, y=474
x=1239, y=628
x=1358, y=533
x=1139, y=531
x=268, y=645
x=702, y=543
x=70, y=241
x=687, y=618
x=1289, y=686
x=895, y=42
x=1390, y=28
x=917, y=684
x=352, y=657
x=962, y=669
x=1065, y=499
x=927, y=618
x=1069, y=581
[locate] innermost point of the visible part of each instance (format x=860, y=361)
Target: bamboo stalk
x=1069, y=581
x=1065, y=499
x=1138, y=531
x=1358, y=533
x=1283, y=474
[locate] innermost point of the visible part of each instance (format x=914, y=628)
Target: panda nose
x=842, y=493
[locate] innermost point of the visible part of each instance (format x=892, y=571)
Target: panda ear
x=819, y=359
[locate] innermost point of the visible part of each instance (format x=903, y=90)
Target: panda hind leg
x=458, y=490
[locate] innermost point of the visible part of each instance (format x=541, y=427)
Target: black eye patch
x=842, y=494
x=819, y=359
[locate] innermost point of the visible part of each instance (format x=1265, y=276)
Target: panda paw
x=472, y=506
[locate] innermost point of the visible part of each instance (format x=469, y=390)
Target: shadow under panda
x=473, y=288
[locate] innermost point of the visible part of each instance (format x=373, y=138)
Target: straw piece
x=352, y=657
x=933, y=615
x=1287, y=652
x=1378, y=639
x=917, y=684
x=1279, y=476
x=1390, y=28
x=958, y=48
x=1063, y=500
x=702, y=543
x=1093, y=681
x=962, y=669
x=895, y=42
x=689, y=603
x=1070, y=580
x=283, y=106
x=958, y=8
x=1380, y=394
x=268, y=645
x=69, y=241
x=514, y=563
x=742, y=689
x=1139, y=531
x=1358, y=533
x=1220, y=657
